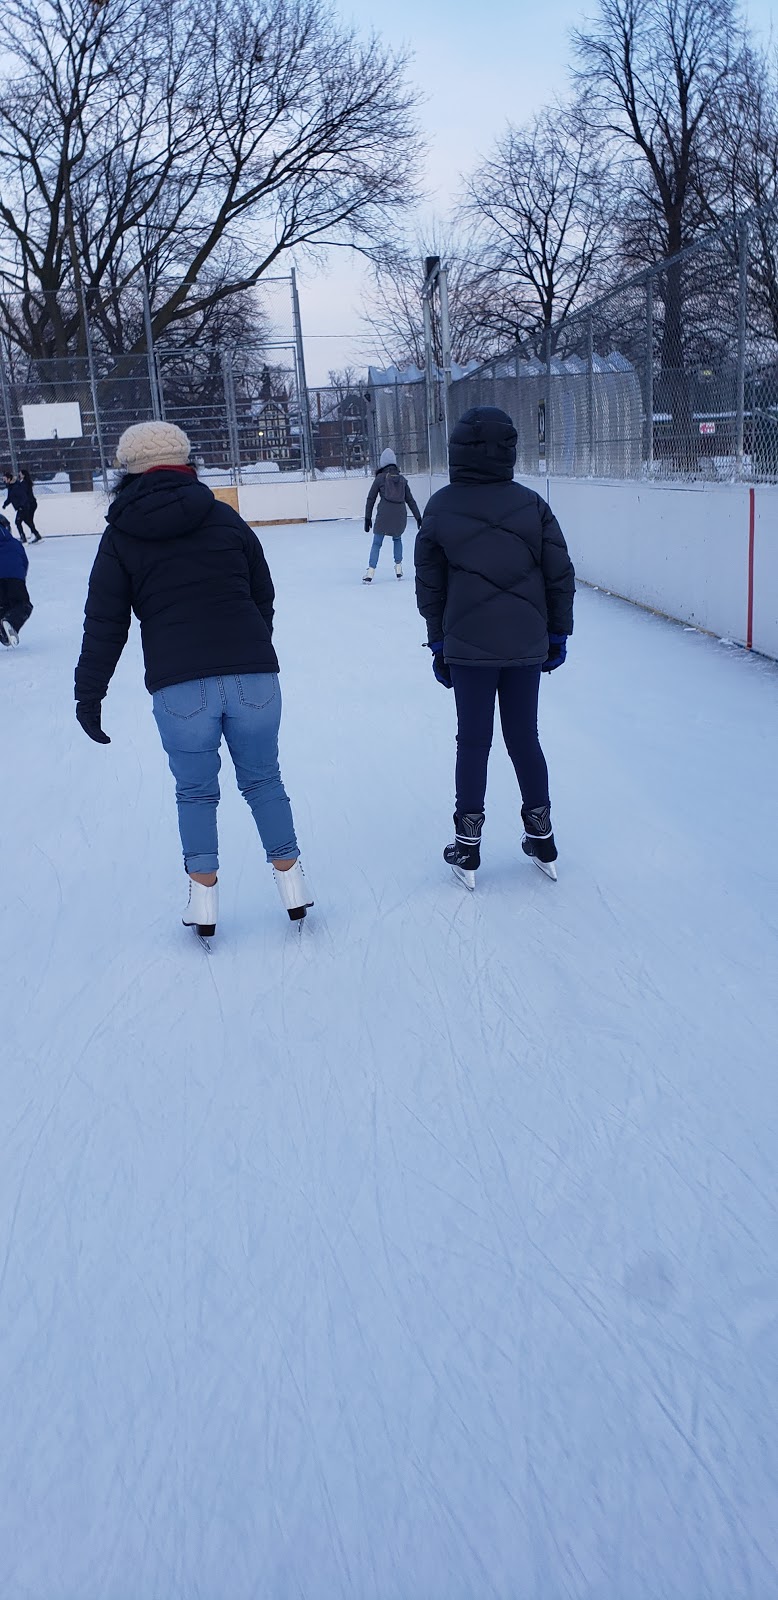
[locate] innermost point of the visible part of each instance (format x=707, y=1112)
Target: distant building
x=339, y=426
x=272, y=434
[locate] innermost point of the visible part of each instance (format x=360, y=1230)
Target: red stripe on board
x=751, y=522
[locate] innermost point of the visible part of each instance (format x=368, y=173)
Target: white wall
x=680, y=550
x=70, y=513
x=274, y=501
x=766, y=571
x=683, y=551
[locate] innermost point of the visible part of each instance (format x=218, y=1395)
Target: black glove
x=368, y=526
x=440, y=668
x=88, y=714
x=557, y=652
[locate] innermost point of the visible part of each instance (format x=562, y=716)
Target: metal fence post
x=742, y=312
x=428, y=371
x=306, y=435
x=445, y=341
x=90, y=356
x=156, y=410
x=398, y=440
x=232, y=418
x=590, y=392
x=6, y=389
x=160, y=388
x=650, y=373
x=549, y=417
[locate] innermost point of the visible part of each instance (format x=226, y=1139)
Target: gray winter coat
x=493, y=575
x=391, y=515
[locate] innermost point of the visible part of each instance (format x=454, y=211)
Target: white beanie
x=388, y=459
x=152, y=444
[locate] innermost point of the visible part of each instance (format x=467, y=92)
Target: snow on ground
x=430, y=1255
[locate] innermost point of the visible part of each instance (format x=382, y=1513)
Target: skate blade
x=467, y=878
x=547, y=867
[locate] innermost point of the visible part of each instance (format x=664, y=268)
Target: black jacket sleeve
x=558, y=573
x=262, y=592
x=107, y=619
x=411, y=503
x=431, y=578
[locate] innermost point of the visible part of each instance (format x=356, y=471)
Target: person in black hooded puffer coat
x=195, y=575
x=495, y=584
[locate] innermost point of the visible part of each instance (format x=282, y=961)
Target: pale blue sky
x=478, y=67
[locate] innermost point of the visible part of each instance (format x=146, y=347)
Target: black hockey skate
x=538, y=841
x=464, y=855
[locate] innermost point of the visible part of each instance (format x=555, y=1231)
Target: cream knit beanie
x=152, y=444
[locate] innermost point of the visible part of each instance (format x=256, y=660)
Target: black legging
x=29, y=517
x=475, y=689
x=15, y=602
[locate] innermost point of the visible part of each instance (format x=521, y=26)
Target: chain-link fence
x=234, y=381
x=674, y=374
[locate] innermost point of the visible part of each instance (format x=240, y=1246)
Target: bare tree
x=543, y=207
x=744, y=131
x=653, y=72
x=197, y=145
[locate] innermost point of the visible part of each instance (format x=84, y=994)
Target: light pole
x=436, y=277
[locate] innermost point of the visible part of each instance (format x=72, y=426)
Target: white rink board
x=681, y=551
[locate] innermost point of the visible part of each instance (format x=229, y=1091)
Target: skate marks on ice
x=430, y=1250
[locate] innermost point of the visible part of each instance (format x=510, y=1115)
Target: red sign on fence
x=707, y=428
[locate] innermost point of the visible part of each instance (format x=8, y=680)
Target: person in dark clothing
x=495, y=583
x=15, y=602
x=195, y=576
x=20, y=494
x=393, y=493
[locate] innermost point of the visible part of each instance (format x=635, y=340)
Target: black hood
x=482, y=447
x=162, y=504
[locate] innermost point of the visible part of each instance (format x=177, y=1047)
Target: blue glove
x=557, y=652
x=441, y=670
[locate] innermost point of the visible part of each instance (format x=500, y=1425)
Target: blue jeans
x=375, y=549
x=191, y=718
x=475, y=691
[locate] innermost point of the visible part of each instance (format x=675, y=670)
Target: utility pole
x=436, y=277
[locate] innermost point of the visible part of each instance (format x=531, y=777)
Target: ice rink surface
x=429, y=1254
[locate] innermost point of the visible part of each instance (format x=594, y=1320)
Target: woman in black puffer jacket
x=195, y=575
x=495, y=583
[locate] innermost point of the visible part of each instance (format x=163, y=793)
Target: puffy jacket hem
x=493, y=661
x=236, y=670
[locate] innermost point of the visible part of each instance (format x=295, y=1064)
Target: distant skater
x=393, y=493
x=195, y=575
x=20, y=493
x=15, y=602
x=495, y=584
